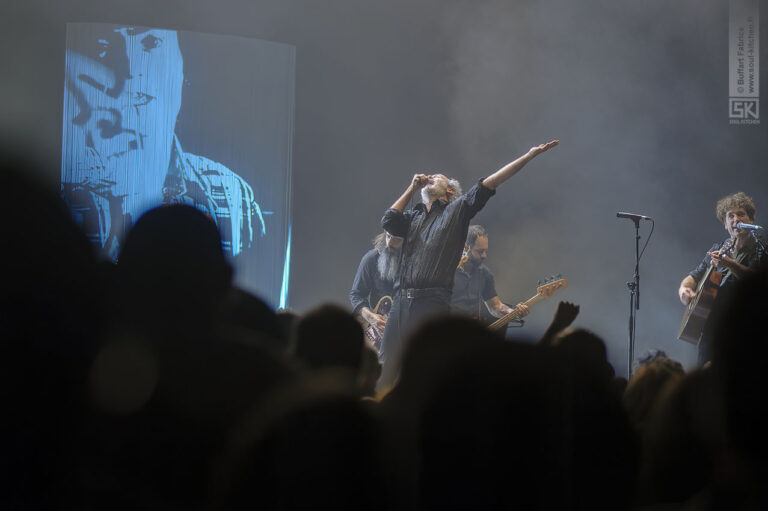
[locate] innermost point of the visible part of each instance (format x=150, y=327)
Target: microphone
x=749, y=227
x=633, y=216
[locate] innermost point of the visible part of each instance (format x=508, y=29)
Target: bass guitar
x=698, y=309
x=547, y=289
x=383, y=306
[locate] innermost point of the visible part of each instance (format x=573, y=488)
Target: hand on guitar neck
x=522, y=310
x=546, y=290
x=499, y=309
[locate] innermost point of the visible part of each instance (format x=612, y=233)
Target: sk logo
x=743, y=108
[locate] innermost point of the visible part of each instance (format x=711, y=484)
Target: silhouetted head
x=52, y=313
x=586, y=353
x=247, y=311
x=448, y=336
x=312, y=442
x=739, y=355
x=487, y=435
x=647, y=384
x=329, y=337
x=172, y=263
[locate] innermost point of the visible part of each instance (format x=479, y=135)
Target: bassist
x=474, y=291
x=734, y=258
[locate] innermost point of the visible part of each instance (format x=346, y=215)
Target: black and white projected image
x=149, y=120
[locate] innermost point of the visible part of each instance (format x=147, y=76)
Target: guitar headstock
x=551, y=285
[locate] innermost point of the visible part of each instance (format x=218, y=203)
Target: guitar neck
x=515, y=314
x=704, y=279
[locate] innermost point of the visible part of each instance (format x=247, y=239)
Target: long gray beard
x=389, y=263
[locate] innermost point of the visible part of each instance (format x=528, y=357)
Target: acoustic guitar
x=698, y=309
x=545, y=290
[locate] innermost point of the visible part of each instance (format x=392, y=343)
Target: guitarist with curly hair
x=738, y=255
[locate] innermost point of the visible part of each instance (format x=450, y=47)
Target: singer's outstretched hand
x=537, y=150
x=511, y=168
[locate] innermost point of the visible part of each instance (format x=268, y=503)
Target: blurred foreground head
x=173, y=266
x=329, y=337
x=51, y=317
x=503, y=424
x=739, y=355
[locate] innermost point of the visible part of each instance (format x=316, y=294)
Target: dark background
x=636, y=91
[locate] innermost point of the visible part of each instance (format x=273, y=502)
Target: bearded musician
x=474, y=290
x=740, y=254
x=375, y=279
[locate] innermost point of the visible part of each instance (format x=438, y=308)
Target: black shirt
x=750, y=256
x=368, y=287
x=434, y=239
x=472, y=290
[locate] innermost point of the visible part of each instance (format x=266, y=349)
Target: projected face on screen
x=121, y=152
x=127, y=82
x=154, y=116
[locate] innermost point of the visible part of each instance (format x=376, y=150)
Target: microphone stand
x=634, y=286
x=758, y=241
x=634, y=298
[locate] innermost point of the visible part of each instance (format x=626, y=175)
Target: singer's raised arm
x=417, y=183
x=513, y=167
x=394, y=220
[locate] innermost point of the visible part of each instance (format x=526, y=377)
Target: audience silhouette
x=155, y=383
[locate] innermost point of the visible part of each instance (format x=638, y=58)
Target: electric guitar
x=547, y=289
x=698, y=309
x=382, y=308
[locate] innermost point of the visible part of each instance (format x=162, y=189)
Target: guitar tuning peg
x=538, y=283
x=559, y=276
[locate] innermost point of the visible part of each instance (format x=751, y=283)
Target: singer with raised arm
x=434, y=232
x=741, y=253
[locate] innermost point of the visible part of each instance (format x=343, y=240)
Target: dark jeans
x=406, y=314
